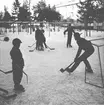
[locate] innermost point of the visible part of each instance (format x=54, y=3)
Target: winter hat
x=77, y=35
x=16, y=41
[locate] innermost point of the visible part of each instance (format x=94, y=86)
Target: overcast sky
x=65, y=11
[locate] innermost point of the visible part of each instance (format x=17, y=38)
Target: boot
x=89, y=70
x=70, y=45
x=19, y=88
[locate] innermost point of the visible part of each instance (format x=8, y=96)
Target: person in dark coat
x=17, y=64
x=87, y=47
x=43, y=37
x=70, y=30
x=39, y=39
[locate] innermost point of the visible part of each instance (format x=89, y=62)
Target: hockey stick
x=62, y=70
x=12, y=71
x=26, y=76
x=4, y=90
x=50, y=48
x=32, y=45
x=8, y=96
x=23, y=72
x=2, y=71
x=32, y=50
x=6, y=72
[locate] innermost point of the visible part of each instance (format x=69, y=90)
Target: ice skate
x=70, y=45
x=89, y=70
x=19, y=88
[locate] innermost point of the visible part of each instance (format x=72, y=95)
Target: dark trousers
x=69, y=40
x=83, y=58
x=17, y=74
x=39, y=45
x=45, y=44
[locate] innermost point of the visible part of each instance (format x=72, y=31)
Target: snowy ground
x=47, y=85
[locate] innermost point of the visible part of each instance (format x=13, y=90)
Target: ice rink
x=47, y=85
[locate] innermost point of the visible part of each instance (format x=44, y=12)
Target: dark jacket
x=44, y=39
x=69, y=30
x=39, y=35
x=16, y=57
x=85, y=44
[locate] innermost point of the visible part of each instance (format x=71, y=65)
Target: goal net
x=97, y=63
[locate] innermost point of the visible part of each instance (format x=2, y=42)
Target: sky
x=65, y=11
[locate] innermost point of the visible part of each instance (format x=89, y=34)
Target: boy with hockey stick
x=85, y=45
x=39, y=39
x=17, y=64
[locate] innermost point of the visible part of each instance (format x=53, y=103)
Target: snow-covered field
x=47, y=85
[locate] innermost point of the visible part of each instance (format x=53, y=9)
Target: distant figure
x=88, y=49
x=43, y=37
x=70, y=31
x=39, y=39
x=54, y=29
x=17, y=64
